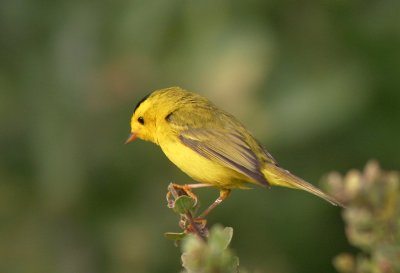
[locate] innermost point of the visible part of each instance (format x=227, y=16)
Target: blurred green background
x=316, y=81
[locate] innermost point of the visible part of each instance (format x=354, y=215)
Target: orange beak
x=132, y=137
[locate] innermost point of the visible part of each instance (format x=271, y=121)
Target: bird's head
x=143, y=121
x=152, y=110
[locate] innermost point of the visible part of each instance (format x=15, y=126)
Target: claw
x=200, y=222
x=187, y=222
x=199, y=225
x=186, y=189
x=170, y=200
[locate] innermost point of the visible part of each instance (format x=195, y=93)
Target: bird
x=209, y=145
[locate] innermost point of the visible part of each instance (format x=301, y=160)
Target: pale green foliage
x=372, y=219
x=184, y=204
x=213, y=255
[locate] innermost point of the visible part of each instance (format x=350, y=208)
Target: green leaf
x=184, y=204
x=228, y=234
x=221, y=237
x=174, y=236
x=213, y=255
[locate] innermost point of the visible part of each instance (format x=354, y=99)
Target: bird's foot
x=181, y=190
x=196, y=226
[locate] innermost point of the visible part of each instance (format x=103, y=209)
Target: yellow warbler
x=209, y=144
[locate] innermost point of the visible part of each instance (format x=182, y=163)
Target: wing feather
x=227, y=147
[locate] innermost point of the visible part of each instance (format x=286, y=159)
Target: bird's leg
x=223, y=194
x=187, y=189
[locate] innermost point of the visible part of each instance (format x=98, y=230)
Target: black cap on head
x=140, y=102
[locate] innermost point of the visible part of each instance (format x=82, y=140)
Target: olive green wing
x=219, y=137
x=227, y=148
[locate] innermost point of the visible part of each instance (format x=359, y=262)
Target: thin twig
x=187, y=215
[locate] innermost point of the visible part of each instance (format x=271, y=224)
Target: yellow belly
x=200, y=168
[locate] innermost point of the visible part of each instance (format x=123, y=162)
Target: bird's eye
x=141, y=120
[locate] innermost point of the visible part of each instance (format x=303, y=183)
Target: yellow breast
x=200, y=168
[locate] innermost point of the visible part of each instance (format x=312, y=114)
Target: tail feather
x=277, y=176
